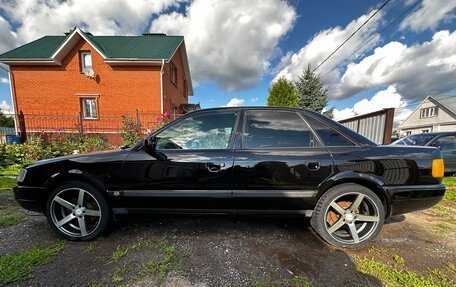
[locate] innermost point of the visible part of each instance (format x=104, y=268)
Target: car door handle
x=313, y=165
x=214, y=167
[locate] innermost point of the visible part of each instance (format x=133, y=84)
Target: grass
x=167, y=261
x=295, y=281
x=10, y=170
x=393, y=274
x=449, y=180
x=21, y=265
x=7, y=183
x=10, y=216
x=450, y=195
x=161, y=268
x=123, y=250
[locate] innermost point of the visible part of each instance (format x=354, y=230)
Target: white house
x=434, y=114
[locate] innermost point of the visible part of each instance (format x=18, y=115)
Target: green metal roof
x=146, y=47
x=42, y=48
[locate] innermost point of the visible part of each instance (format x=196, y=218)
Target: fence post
x=138, y=121
x=22, y=129
x=80, y=123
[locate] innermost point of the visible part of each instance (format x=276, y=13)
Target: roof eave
x=35, y=61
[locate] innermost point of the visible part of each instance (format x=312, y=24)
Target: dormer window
x=86, y=60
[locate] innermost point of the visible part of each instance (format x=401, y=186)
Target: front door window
x=207, y=131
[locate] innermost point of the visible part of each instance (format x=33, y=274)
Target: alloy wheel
x=352, y=218
x=75, y=212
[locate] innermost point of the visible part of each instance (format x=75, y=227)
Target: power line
x=353, y=34
x=403, y=14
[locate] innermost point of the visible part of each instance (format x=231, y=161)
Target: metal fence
x=376, y=126
x=32, y=123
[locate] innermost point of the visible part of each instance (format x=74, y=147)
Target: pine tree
x=311, y=92
x=283, y=94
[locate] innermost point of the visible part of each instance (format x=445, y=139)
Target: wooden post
x=22, y=129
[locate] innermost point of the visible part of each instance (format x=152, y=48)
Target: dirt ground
x=226, y=251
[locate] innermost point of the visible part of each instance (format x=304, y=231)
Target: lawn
x=7, y=183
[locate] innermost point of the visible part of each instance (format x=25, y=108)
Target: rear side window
x=328, y=135
x=275, y=129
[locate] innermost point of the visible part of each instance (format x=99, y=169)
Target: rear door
x=278, y=164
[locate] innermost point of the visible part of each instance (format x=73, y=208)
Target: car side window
x=446, y=142
x=276, y=129
x=205, y=131
x=328, y=135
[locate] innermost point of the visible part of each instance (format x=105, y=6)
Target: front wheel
x=78, y=211
x=348, y=216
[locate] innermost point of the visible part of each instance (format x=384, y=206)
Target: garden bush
x=48, y=146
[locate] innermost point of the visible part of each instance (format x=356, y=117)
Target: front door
x=190, y=167
x=280, y=163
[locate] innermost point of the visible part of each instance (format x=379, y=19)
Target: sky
x=237, y=49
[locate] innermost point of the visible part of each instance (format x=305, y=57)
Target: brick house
x=82, y=81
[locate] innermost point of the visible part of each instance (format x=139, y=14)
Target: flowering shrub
x=163, y=119
x=131, y=131
x=49, y=146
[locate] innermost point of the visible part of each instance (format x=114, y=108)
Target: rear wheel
x=78, y=211
x=348, y=215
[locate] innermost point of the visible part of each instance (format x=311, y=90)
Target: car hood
x=110, y=155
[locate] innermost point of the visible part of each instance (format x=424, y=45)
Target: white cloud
x=230, y=42
x=235, y=102
x=388, y=98
x=326, y=41
x=4, y=81
x=7, y=39
x=5, y=107
x=36, y=18
x=429, y=15
x=416, y=71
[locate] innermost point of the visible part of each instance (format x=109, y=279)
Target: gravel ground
x=224, y=251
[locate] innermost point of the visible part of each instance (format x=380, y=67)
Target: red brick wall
x=121, y=89
x=176, y=94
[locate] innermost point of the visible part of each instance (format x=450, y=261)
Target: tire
x=348, y=216
x=78, y=211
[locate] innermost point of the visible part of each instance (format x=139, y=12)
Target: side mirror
x=149, y=143
x=149, y=147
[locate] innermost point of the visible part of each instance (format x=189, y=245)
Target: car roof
x=434, y=134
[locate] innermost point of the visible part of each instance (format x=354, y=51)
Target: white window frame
x=93, y=108
x=83, y=63
x=428, y=112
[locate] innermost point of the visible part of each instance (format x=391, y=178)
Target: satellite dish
x=89, y=72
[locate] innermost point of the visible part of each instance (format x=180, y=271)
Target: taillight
x=438, y=168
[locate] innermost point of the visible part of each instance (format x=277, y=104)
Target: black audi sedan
x=242, y=160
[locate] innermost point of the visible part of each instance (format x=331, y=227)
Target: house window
x=424, y=131
x=174, y=110
x=428, y=112
x=408, y=133
x=86, y=60
x=173, y=71
x=89, y=108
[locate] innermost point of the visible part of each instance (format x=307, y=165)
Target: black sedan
x=445, y=141
x=259, y=160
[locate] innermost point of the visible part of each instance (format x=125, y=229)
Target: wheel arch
x=368, y=181
x=61, y=178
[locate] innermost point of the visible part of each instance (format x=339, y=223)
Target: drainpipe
x=161, y=86
x=13, y=102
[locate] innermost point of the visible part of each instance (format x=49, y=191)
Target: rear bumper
x=408, y=198
x=30, y=197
